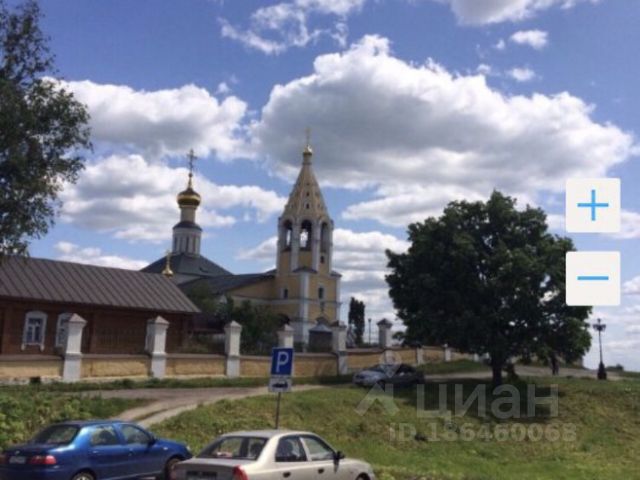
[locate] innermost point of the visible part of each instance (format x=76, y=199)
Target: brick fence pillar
x=339, y=346
x=156, y=345
x=232, y=333
x=384, y=333
x=72, y=368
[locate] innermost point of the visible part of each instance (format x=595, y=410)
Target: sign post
x=281, y=370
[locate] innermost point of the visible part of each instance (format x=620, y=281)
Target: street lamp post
x=369, y=332
x=600, y=327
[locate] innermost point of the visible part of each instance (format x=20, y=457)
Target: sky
x=411, y=104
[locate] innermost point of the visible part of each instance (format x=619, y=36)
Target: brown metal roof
x=65, y=282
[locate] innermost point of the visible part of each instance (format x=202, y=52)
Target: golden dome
x=189, y=197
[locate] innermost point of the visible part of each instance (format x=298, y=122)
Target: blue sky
x=411, y=104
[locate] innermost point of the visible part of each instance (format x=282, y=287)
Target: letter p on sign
x=282, y=361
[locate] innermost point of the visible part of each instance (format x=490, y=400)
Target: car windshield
x=236, y=447
x=56, y=435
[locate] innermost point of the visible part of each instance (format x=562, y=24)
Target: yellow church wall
x=13, y=368
x=304, y=365
x=259, y=290
x=251, y=366
x=291, y=283
x=405, y=355
x=323, y=268
x=433, y=354
x=315, y=365
x=315, y=311
x=456, y=355
x=328, y=283
x=305, y=259
x=284, y=262
x=115, y=366
x=357, y=360
x=185, y=364
x=290, y=310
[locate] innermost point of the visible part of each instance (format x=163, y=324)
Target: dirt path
x=169, y=402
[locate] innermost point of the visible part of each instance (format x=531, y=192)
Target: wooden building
x=38, y=296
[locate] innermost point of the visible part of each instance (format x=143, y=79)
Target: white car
x=271, y=455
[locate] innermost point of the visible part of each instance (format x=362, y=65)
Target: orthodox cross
x=191, y=157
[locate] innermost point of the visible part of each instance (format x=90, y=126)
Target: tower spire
x=308, y=151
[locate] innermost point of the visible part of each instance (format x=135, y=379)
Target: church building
x=303, y=288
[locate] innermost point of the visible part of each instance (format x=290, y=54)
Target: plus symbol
x=593, y=205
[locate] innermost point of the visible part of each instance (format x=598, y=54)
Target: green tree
x=259, y=325
x=356, y=318
x=487, y=278
x=259, y=328
x=42, y=130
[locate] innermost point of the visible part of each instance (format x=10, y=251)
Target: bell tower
x=304, y=275
x=305, y=230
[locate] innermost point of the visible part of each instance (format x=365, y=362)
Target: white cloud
x=223, y=89
x=279, y=27
x=629, y=229
x=136, y=200
x=500, y=45
x=420, y=136
x=522, y=74
x=163, y=122
x=71, y=252
x=359, y=257
x=482, y=12
x=632, y=287
x=484, y=69
x=536, y=39
x=633, y=329
x=630, y=226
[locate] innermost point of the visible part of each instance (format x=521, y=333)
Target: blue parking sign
x=282, y=361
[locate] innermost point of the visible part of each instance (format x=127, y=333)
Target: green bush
x=22, y=414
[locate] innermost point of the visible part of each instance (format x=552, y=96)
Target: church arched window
x=305, y=235
x=286, y=232
x=325, y=237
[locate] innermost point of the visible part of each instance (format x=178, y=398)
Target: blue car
x=92, y=450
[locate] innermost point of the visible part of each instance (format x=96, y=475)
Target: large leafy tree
x=488, y=278
x=356, y=318
x=259, y=325
x=42, y=130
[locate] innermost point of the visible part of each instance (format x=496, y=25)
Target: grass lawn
x=199, y=382
x=595, y=436
x=24, y=412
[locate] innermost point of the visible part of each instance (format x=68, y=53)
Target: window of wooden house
x=62, y=330
x=35, y=324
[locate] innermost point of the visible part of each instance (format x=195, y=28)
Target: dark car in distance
x=92, y=450
x=383, y=374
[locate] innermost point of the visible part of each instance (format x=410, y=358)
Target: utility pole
x=600, y=327
x=369, y=332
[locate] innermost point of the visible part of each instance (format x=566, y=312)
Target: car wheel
x=169, y=469
x=83, y=476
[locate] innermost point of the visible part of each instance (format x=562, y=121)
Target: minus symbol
x=593, y=278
